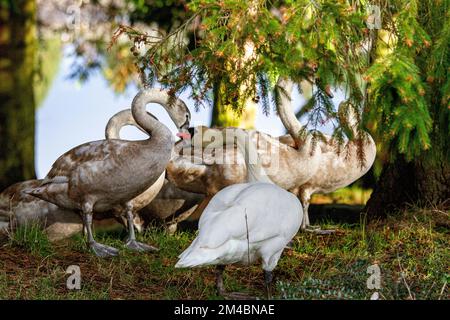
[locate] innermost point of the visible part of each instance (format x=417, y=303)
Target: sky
x=73, y=114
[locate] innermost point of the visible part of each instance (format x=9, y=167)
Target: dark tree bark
x=17, y=103
x=395, y=188
x=423, y=182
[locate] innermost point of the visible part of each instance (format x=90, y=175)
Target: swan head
x=176, y=108
x=180, y=115
x=185, y=136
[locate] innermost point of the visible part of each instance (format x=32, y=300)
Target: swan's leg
x=268, y=277
x=305, y=197
x=99, y=249
x=221, y=289
x=219, y=280
x=305, y=222
x=131, y=241
x=306, y=225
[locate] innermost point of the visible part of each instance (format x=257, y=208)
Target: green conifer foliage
x=396, y=77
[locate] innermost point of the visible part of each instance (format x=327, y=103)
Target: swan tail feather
x=195, y=256
x=195, y=259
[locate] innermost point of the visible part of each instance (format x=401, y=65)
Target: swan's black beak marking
x=185, y=125
x=191, y=131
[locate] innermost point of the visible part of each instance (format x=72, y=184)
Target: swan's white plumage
x=273, y=215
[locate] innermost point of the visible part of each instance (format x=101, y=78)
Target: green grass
x=349, y=195
x=32, y=238
x=411, y=249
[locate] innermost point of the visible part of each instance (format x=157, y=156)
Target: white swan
x=242, y=223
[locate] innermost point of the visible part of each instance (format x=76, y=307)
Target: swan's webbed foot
x=100, y=250
x=131, y=243
x=103, y=251
x=268, y=277
x=139, y=246
x=238, y=296
x=317, y=230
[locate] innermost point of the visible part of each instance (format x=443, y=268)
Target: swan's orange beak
x=184, y=135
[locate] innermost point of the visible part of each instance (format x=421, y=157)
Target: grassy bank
x=411, y=250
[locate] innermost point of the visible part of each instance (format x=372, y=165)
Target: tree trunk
x=423, y=182
x=224, y=116
x=17, y=103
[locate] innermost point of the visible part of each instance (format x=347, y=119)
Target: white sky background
x=73, y=114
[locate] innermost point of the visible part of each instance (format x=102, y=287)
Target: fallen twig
x=442, y=290
x=404, y=280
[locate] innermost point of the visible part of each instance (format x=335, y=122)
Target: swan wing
x=254, y=215
x=259, y=211
x=224, y=199
x=94, y=151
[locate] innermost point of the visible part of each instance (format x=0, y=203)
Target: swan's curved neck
x=218, y=138
x=138, y=108
x=255, y=170
x=117, y=122
x=352, y=122
x=286, y=112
